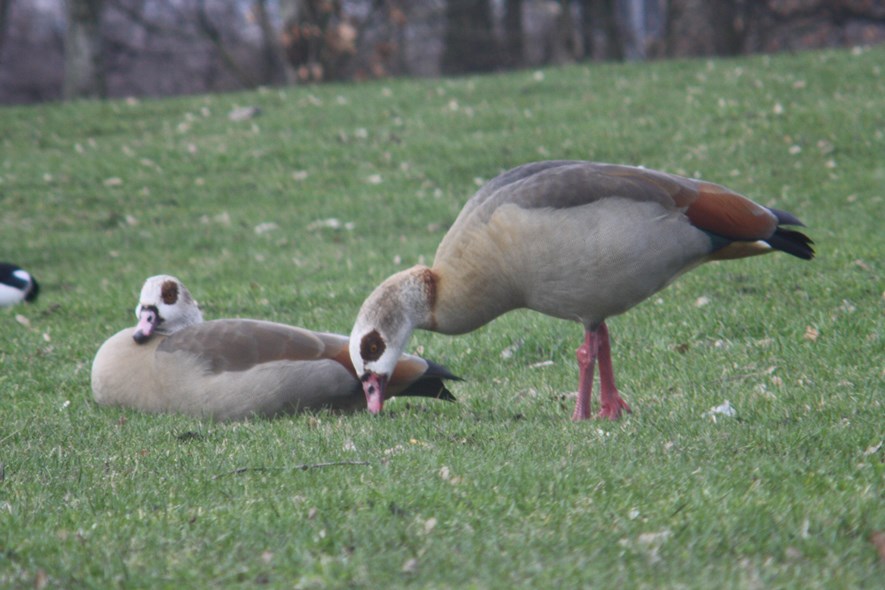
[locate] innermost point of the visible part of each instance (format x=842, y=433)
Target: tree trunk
x=469, y=38
x=602, y=33
x=84, y=69
x=4, y=22
x=274, y=69
x=513, y=35
x=727, y=18
x=636, y=29
x=703, y=27
x=563, y=47
x=290, y=11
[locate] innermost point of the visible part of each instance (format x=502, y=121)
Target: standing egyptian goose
x=16, y=285
x=575, y=240
x=231, y=369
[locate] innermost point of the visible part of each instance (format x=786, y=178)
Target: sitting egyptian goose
x=575, y=240
x=231, y=369
x=16, y=285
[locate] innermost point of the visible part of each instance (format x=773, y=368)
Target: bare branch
x=299, y=467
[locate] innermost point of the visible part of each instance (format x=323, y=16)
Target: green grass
x=500, y=490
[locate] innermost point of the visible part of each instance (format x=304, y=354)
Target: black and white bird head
x=16, y=285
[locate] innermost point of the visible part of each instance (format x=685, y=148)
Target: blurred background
x=62, y=49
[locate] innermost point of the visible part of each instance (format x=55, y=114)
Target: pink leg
x=612, y=404
x=586, y=354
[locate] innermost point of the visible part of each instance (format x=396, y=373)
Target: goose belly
x=264, y=390
x=591, y=262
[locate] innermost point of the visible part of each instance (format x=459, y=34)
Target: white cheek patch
x=386, y=364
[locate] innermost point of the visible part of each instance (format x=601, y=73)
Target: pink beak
x=373, y=387
x=148, y=320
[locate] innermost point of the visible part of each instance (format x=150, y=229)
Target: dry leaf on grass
x=330, y=223
x=649, y=543
x=723, y=409
x=861, y=265
x=268, y=226
x=512, y=349
x=811, y=334
x=872, y=450
x=877, y=538
x=244, y=113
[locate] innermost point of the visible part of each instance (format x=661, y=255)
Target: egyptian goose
x=575, y=240
x=231, y=369
x=16, y=285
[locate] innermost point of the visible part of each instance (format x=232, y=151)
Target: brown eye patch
x=169, y=292
x=372, y=346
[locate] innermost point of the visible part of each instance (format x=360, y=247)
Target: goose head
x=384, y=325
x=164, y=307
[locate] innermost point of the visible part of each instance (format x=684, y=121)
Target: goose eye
x=372, y=346
x=169, y=292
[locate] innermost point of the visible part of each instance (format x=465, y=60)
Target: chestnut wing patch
x=730, y=215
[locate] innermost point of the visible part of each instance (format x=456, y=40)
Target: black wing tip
x=792, y=242
x=785, y=217
x=444, y=394
x=432, y=383
x=432, y=387
x=34, y=291
x=438, y=371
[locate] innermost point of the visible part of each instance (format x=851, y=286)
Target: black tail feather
x=791, y=241
x=786, y=218
x=33, y=291
x=432, y=383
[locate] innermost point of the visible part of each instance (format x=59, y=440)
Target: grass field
x=500, y=490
